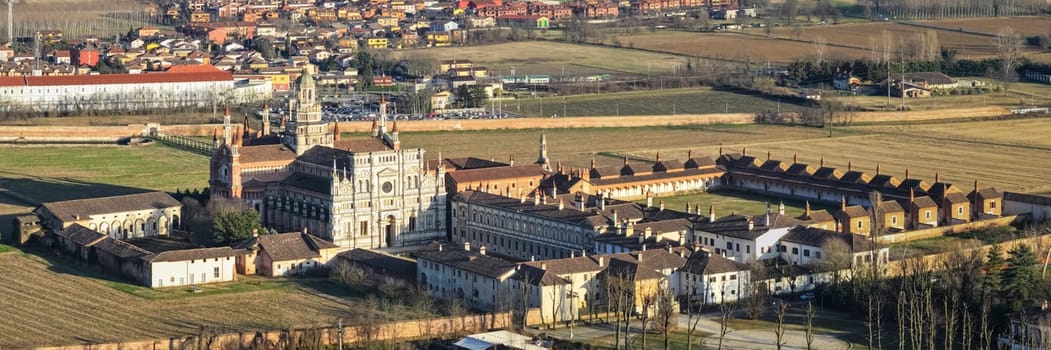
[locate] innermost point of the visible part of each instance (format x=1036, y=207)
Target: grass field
x=57, y=302
x=1018, y=93
x=847, y=40
x=727, y=202
x=576, y=147
x=548, y=57
x=701, y=100
x=32, y=175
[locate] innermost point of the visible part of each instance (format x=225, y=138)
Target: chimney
x=662, y=205
x=602, y=202
x=795, y=158
x=583, y=253
x=543, y=266
x=689, y=154
x=441, y=247
x=601, y=261
x=630, y=230
x=711, y=213
x=532, y=258
x=850, y=166
x=658, y=157
x=511, y=161
x=843, y=203
x=614, y=216
x=744, y=151
x=781, y=208
x=687, y=208
x=642, y=250
x=937, y=178
x=806, y=212
x=536, y=198
x=906, y=173
x=877, y=168
x=720, y=150
x=304, y=229
x=572, y=254
x=649, y=199
x=669, y=249
x=822, y=162
x=481, y=250
x=467, y=246
x=682, y=238
x=255, y=232
x=767, y=155
x=561, y=204
x=751, y=225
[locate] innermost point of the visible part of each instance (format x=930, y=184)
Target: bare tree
x=809, y=325
x=726, y=311
x=820, y=44
x=1009, y=52
x=779, y=326
x=664, y=319
x=693, y=318
x=758, y=292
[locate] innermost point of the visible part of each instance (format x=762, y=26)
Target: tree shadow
x=34, y=191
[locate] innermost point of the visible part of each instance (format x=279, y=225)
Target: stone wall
x=443, y=327
x=944, y=230
x=1038, y=244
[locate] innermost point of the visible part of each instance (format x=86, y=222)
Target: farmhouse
x=712, y=279
x=120, y=217
x=284, y=254
x=189, y=267
x=474, y=277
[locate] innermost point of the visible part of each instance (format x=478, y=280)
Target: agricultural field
x=1006, y=166
x=77, y=18
x=31, y=175
x=59, y=302
x=738, y=47
x=701, y=100
x=608, y=146
x=847, y=40
x=1028, y=132
x=727, y=202
x=1019, y=93
x=548, y=57
x=1027, y=26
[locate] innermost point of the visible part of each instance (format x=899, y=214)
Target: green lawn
x=31, y=175
x=661, y=102
x=726, y=202
x=676, y=340
x=6, y=248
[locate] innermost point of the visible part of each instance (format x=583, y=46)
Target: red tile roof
x=194, y=74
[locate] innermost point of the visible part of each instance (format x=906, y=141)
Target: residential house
x=709, y=278
x=477, y=279
x=189, y=267
x=284, y=254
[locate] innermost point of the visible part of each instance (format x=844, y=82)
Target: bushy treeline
x=808, y=71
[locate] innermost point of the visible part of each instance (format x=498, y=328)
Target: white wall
x=184, y=273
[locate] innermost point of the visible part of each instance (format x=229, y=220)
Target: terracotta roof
x=104, y=79
x=816, y=237
x=539, y=277
x=82, y=235
x=288, y=246
x=923, y=202
x=266, y=153
x=387, y=264
x=192, y=254
x=699, y=162
x=361, y=144
x=986, y=192
x=497, y=173
x=120, y=249
x=706, y=263
x=855, y=211
x=69, y=210
x=890, y=207
x=469, y=261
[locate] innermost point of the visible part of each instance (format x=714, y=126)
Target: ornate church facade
x=358, y=193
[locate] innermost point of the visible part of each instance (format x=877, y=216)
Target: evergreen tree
x=1020, y=285
x=994, y=266
x=233, y=225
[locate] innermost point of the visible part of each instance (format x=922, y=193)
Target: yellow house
x=377, y=43
x=440, y=100
x=439, y=38
x=284, y=254
x=387, y=21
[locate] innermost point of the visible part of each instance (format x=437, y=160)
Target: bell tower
x=307, y=127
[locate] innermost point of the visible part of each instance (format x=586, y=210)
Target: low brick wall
x=944, y=230
x=1038, y=244
x=352, y=334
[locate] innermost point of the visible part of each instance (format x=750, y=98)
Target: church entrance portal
x=390, y=230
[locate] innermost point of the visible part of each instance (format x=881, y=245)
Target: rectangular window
x=817, y=255
x=927, y=214
x=748, y=249
x=806, y=252
x=959, y=210
x=795, y=251
x=992, y=204
x=216, y=272
x=729, y=246
x=859, y=223
x=733, y=277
